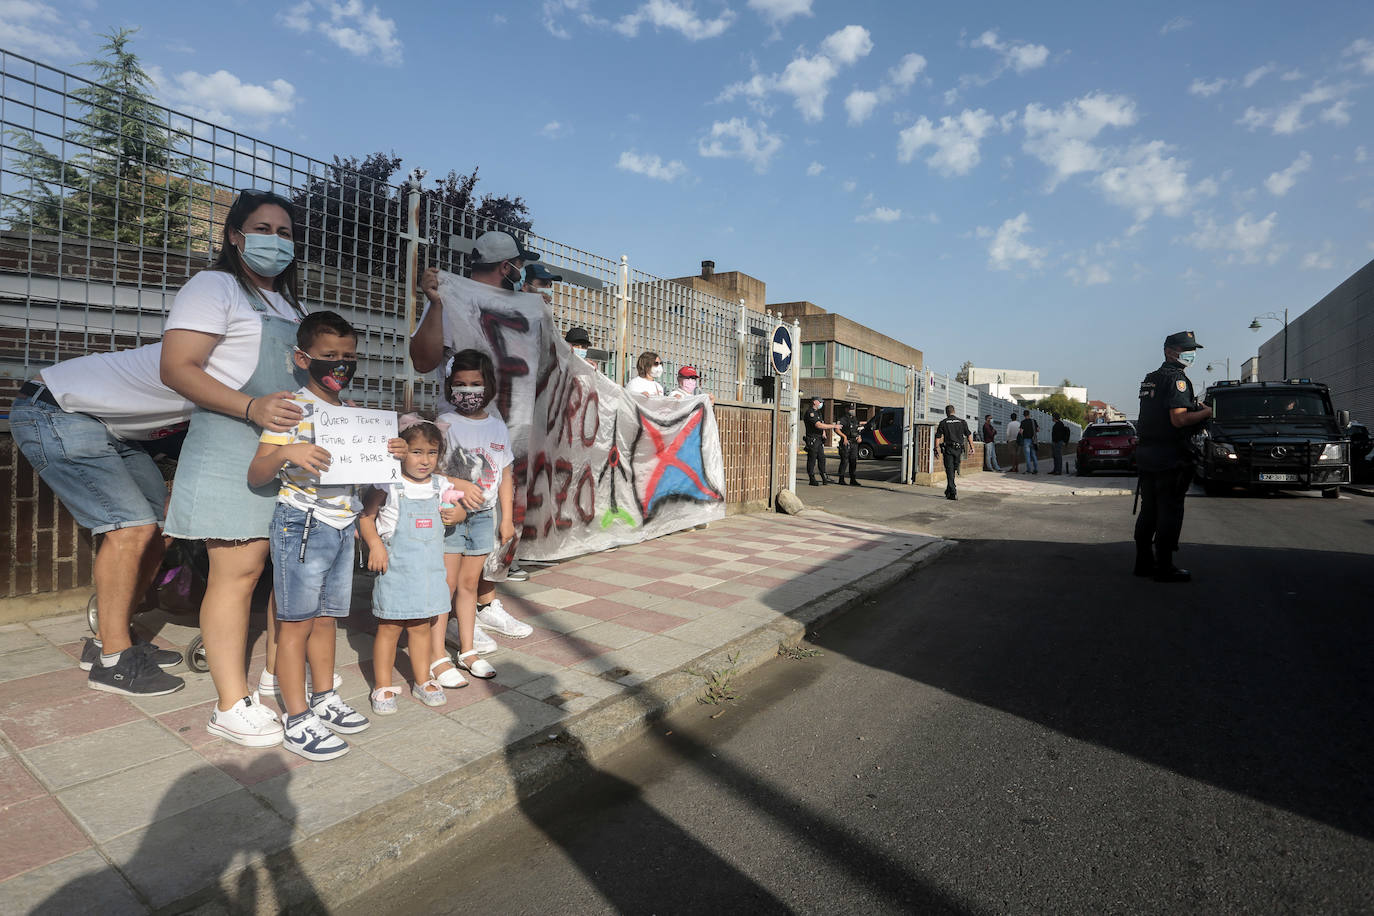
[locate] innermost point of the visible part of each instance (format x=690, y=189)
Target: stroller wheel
x=195, y=656
x=93, y=616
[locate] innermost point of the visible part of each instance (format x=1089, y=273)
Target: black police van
x=1273, y=435
x=881, y=436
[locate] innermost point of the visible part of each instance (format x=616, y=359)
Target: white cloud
x=1257, y=74
x=36, y=29
x=1361, y=154
x=879, y=215
x=1007, y=246
x=737, y=138
x=650, y=166
x=814, y=169
x=1062, y=139
x=847, y=46
x=1280, y=183
x=1018, y=55
x=1144, y=178
x=806, y=78
x=1362, y=52
x=850, y=185
x=225, y=99
x=1245, y=238
x=1207, y=88
x=1177, y=24
x=955, y=140
x=554, y=9
x=1088, y=274
x=678, y=17
x=778, y=12
x=358, y=29
x=1289, y=75
x=1319, y=260
x=904, y=74
x=1287, y=119
x=860, y=104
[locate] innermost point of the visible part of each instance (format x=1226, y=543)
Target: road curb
x=356, y=855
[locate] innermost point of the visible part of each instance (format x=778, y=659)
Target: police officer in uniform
x=849, y=446
x=951, y=438
x=815, y=442
x=1169, y=416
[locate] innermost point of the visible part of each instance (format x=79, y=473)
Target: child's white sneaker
x=337, y=714
x=496, y=618
x=307, y=736
x=268, y=686
x=247, y=722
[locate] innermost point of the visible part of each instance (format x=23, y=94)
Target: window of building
x=853, y=365
x=813, y=364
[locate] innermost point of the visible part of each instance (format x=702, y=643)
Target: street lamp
x=1212, y=367
x=1274, y=316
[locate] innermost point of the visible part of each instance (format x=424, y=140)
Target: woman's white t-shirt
x=388, y=513
x=476, y=450
x=124, y=390
x=646, y=386
x=213, y=302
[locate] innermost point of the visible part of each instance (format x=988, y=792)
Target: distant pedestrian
x=1014, y=440
x=849, y=445
x=952, y=437
x=1028, y=430
x=990, y=445
x=815, y=441
x=1059, y=435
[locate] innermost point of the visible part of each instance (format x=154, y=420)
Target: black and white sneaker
x=338, y=715
x=136, y=674
x=310, y=738
x=91, y=651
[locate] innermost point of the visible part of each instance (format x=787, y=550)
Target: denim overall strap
x=211, y=498
x=414, y=584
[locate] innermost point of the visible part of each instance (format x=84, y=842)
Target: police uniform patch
x=1181, y=385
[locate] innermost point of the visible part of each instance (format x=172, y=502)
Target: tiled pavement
x=120, y=805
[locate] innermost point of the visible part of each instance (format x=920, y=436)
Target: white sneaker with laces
x=496, y=618
x=247, y=722
x=483, y=643
x=268, y=686
x=312, y=739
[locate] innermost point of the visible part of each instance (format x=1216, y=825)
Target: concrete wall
x=979, y=376
x=1332, y=343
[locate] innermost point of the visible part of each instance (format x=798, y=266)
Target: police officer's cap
x=1183, y=340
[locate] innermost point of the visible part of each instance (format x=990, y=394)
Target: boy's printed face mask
x=468, y=399
x=689, y=385
x=331, y=374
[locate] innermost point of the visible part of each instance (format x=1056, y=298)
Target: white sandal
x=450, y=678
x=478, y=667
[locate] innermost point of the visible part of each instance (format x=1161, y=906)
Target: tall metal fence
x=110, y=202
x=972, y=404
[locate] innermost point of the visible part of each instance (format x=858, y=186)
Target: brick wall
x=47, y=550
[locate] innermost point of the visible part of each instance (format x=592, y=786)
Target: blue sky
x=987, y=182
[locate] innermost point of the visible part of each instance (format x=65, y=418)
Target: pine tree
x=126, y=182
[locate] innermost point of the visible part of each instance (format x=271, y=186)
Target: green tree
x=126, y=182
x=1065, y=406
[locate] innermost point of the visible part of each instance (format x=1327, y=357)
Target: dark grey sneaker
x=136, y=674
x=164, y=658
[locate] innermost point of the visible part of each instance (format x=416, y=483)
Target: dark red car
x=1107, y=446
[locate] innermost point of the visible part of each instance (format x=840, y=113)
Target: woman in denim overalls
x=211, y=499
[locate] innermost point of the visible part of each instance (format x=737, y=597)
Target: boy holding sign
x=312, y=543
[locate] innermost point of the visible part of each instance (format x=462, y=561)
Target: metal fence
x=972, y=404
x=109, y=203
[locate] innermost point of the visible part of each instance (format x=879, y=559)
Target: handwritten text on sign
x=356, y=438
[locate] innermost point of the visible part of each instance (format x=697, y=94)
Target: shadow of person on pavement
x=188, y=854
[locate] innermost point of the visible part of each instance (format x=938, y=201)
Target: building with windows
x=977, y=376
x=845, y=362
x=1029, y=394
x=732, y=285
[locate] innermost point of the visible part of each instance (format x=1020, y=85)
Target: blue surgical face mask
x=580, y=352
x=1187, y=357
x=267, y=255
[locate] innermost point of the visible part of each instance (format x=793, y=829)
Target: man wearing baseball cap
x=1169, y=416
x=539, y=279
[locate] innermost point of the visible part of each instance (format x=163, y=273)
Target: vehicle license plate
x=1110, y=451
x=1278, y=478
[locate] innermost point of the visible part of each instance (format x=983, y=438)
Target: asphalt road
x=1021, y=727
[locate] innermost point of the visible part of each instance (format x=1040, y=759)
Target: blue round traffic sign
x=782, y=350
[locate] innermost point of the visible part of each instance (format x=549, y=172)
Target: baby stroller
x=177, y=589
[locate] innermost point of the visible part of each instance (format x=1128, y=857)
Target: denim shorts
x=104, y=481
x=321, y=585
x=474, y=536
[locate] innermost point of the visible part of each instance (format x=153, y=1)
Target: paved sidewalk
x=117, y=805
x=1101, y=483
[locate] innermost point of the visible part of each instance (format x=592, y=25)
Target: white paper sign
x=356, y=438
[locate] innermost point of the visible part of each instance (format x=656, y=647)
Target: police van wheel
x=865, y=452
x=1332, y=493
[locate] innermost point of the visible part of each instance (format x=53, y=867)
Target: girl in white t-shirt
x=646, y=383
x=477, y=449
x=403, y=527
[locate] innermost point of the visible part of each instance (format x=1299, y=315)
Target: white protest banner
x=594, y=467
x=356, y=438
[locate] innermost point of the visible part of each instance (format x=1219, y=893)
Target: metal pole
x=796, y=407
x=741, y=332
x=413, y=240
x=773, y=439
x=622, y=322
x=1285, y=344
